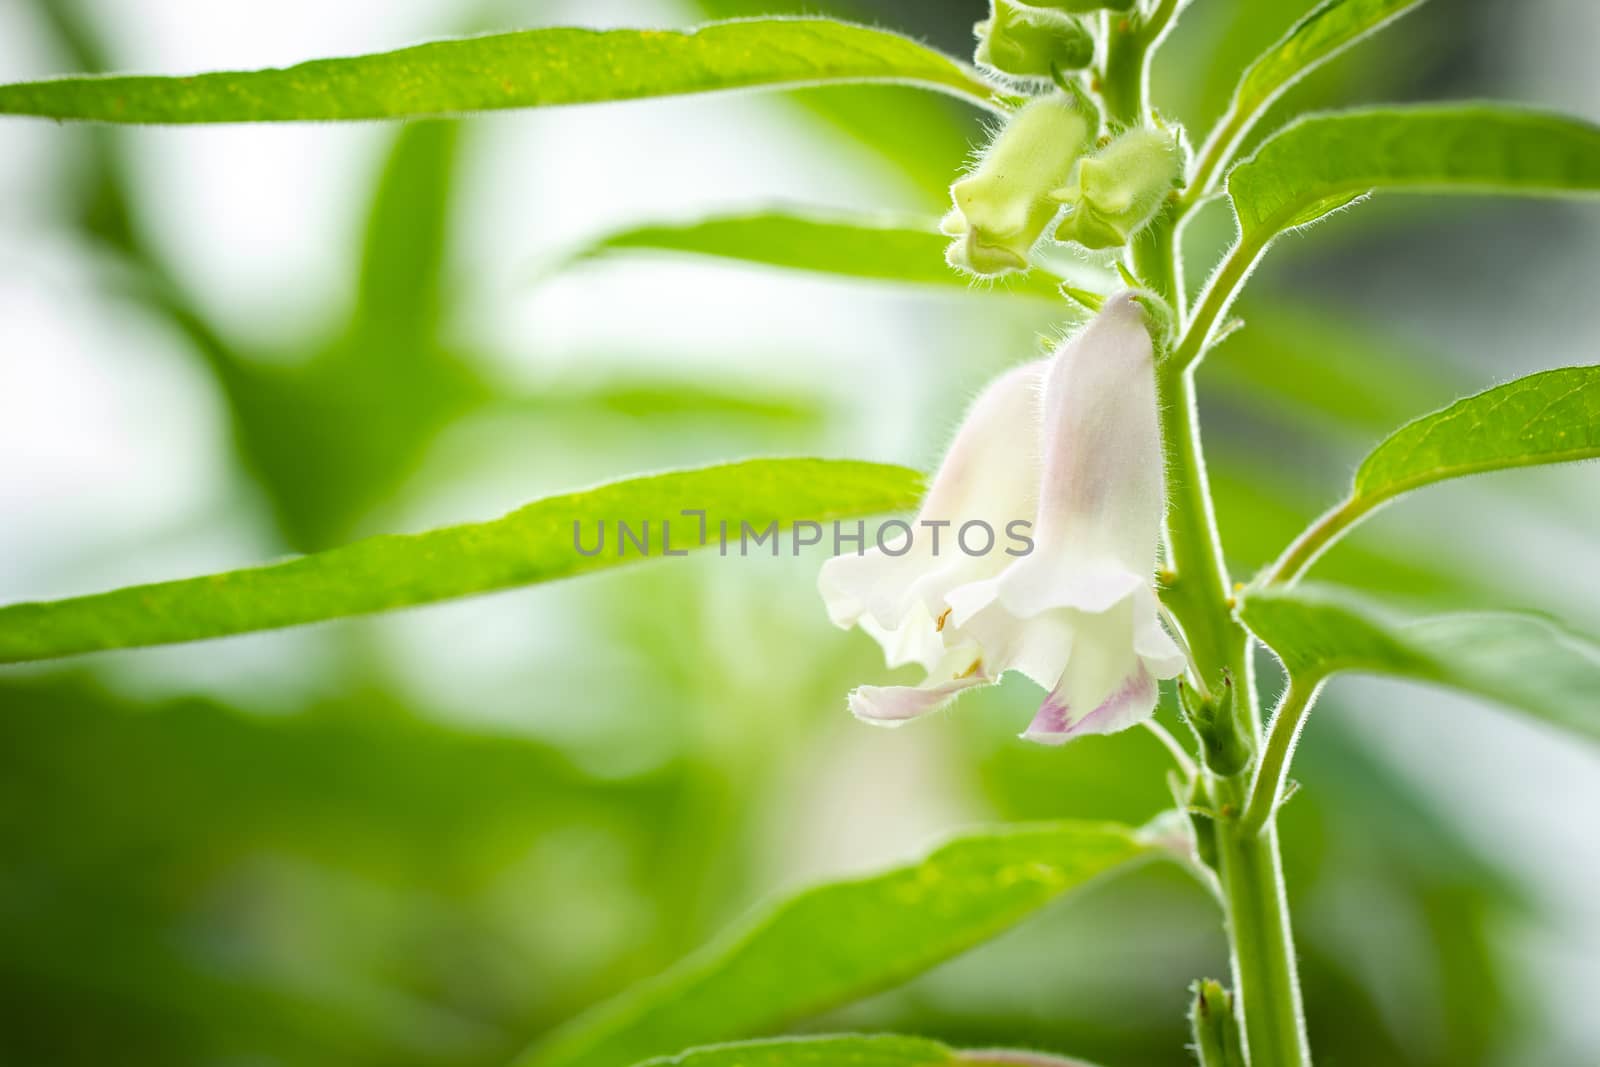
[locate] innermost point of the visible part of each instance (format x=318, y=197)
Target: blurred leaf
x=852, y=1051
x=526, y=68
x=644, y=397
x=837, y=943
x=1384, y=839
x=144, y=904
x=536, y=543
x=885, y=248
x=1522, y=661
x=926, y=137
x=330, y=437
x=407, y=234
x=1321, y=163
x=1307, y=364
x=1322, y=34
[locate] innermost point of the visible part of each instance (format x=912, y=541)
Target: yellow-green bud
x=1117, y=191
x=1004, y=206
x=1029, y=42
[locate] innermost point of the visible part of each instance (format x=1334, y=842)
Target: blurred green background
x=425, y=839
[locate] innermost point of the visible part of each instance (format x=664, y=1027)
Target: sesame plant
x=1108, y=577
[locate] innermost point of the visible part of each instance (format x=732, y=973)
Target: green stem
x=1216, y=154
x=1266, y=986
x=1272, y=767
x=1124, y=83
x=1314, y=541
x=1197, y=591
x=1215, y=300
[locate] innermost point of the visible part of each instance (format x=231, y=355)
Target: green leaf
x=1549, y=417
x=1522, y=661
x=532, y=544
x=1322, y=34
x=887, y=248
x=527, y=68
x=839, y=942
x=852, y=1050
x=1321, y=163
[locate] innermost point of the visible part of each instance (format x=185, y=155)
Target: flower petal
x=1101, y=495
x=1131, y=702
x=990, y=474
x=894, y=705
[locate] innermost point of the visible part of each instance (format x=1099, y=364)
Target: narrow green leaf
x=886, y=248
x=1549, y=417
x=526, y=68
x=853, y=1050
x=1322, y=34
x=839, y=942
x=1522, y=661
x=532, y=544
x=1323, y=162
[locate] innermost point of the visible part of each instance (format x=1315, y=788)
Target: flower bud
x=1004, y=206
x=1029, y=42
x=1215, y=1027
x=1215, y=721
x=1116, y=192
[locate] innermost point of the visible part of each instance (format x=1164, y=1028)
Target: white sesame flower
x=1072, y=446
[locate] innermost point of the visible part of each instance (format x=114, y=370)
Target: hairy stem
x=1314, y=541
x=1125, y=80
x=1203, y=329
x=1266, y=986
x=1272, y=766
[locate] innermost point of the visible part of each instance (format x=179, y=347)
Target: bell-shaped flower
x=1070, y=446
x=1118, y=190
x=1003, y=207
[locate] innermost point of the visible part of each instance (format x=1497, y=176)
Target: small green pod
x=1003, y=207
x=1117, y=191
x=1029, y=42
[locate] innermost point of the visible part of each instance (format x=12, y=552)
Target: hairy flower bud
x=1029, y=42
x=1116, y=192
x=1004, y=206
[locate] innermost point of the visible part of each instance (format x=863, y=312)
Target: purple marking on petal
x=1053, y=724
x=1050, y=725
